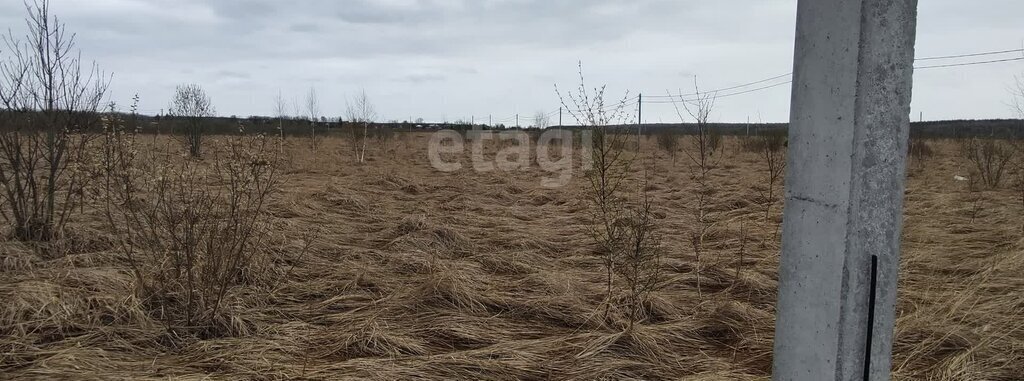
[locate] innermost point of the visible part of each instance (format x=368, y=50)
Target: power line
x=916, y=59
x=753, y=90
x=663, y=99
x=609, y=107
x=969, y=63
x=673, y=97
x=674, y=100
x=970, y=55
x=726, y=88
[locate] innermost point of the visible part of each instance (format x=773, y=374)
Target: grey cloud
x=305, y=28
x=421, y=78
x=233, y=74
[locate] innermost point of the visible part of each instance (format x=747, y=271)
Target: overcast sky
x=455, y=59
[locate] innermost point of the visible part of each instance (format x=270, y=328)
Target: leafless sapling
x=701, y=152
x=541, y=120
x=281, y=112
x=361, y=114
x=313, y=113
x=608, y=168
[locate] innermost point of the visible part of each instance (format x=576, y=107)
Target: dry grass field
x=391, y=270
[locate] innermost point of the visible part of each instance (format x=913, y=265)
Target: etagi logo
x=553, y=149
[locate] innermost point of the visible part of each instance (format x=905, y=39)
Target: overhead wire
x=970, y=55
x=968, y=63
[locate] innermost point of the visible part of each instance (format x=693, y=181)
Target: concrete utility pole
x=849, y=125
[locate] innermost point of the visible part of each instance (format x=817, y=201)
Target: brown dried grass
x=424, y=275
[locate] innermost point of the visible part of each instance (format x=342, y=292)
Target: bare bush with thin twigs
x=1018, y=183
x=48, y=105
x=191, y=104
x=1017, y=96
x=641, y=259
x=189, y=230
x=773, y=152
x=990, y=158
x=919, y=152
x=668, y=140
x=384, y=135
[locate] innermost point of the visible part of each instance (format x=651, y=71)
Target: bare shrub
x=1019, y=184
x=740, y=252
x=641, y=259
x=989, y=157
x=668, y=140
x=976, y=197
x=749, y=143
x=919, y=151
x=190, y=230
x=191, y=104
x=361, y=114
x=715, y=140
x=773, y=152
x=48, y=116
x=384, y=135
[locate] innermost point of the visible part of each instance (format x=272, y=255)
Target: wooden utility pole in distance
x=639, y=119
x=848, y=131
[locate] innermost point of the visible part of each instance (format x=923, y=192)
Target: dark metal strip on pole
x=871, y=317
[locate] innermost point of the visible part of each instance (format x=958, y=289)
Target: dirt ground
x=416, y=274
